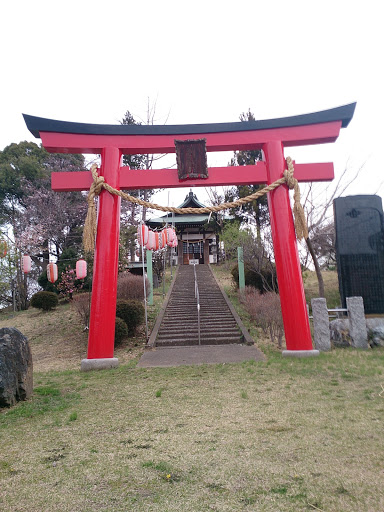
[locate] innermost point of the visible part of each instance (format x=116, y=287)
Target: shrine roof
x=40, y=124
x=190, y=201
x=180, y=219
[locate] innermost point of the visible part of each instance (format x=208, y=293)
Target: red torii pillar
x=113, y=141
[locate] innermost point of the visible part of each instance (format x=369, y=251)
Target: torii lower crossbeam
x=113, y=141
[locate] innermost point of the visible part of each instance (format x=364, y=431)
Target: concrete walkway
x=204, y=354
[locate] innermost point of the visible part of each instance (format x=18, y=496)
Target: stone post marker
x=322, y=337
x=150, y=277
x=240, y=259
x=357, y=323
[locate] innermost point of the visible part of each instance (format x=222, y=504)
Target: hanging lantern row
x=155, y=240
x=3, y=248
x=52, y=271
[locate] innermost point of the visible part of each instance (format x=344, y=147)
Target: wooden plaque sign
x=191, y=158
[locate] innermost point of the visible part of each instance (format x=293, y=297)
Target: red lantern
x=81, y=269
x=142, y=234
x=157, y=243
x=164, y=237
x=52, y=272
x=27, y=263
x=3, y=248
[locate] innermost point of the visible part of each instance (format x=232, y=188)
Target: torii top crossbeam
x=113, y=141
x=314, y=128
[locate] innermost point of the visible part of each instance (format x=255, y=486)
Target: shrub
x=130, y=286
x=44, y=300
x=42, y=281
x=264, y=281
x=81, y=304
x=265, y=311
x=121, y=330
x=68, y=284
x=132, y=312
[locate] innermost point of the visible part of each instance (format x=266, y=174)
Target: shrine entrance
x=111, y=142
x=197, y=241
x=193, y=253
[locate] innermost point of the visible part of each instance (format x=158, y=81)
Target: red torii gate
x=111, y=141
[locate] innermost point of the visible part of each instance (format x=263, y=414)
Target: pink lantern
x=175, y=242
x=151, y=244
x=27, y=263
x=142, y=234
x=52, y=272
x=81, y=269
x=170, y=236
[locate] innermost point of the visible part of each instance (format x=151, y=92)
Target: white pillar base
x=300, y=353
x=99, y=364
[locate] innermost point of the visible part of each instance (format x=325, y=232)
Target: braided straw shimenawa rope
x=90, y=228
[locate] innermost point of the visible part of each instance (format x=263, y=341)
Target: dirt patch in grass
x=58, y=340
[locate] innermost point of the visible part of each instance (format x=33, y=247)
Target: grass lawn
x=278, y=435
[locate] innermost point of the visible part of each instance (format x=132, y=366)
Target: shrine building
x=197, y=242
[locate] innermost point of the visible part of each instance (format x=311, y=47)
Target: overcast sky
x=201, y=61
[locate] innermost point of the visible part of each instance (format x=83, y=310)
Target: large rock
x=375, y=331
x=339, y=330
x=340, y=335
x=16, y=380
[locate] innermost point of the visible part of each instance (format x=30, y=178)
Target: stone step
x=192, y=313
x=179, y=324
x=204, y=320
x=189, y=324
x=163, y=333
x=192, y=307
x=216, y=304
x=204, y=312
x=193, y=321
x=208, y=341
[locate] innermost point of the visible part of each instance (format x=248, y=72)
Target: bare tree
x=318, y=207
x=132, y=213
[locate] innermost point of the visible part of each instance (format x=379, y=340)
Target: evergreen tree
x=132, y=214
x=255, y=212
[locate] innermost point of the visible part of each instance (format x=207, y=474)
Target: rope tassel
x=90, y=228
x=298, y=211
x=90, y=225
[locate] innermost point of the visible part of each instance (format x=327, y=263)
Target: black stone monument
x=359, y=250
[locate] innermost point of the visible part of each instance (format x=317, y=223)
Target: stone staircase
x=179, y=325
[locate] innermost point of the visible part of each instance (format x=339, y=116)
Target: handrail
x=197, y=297
x=332, y=310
